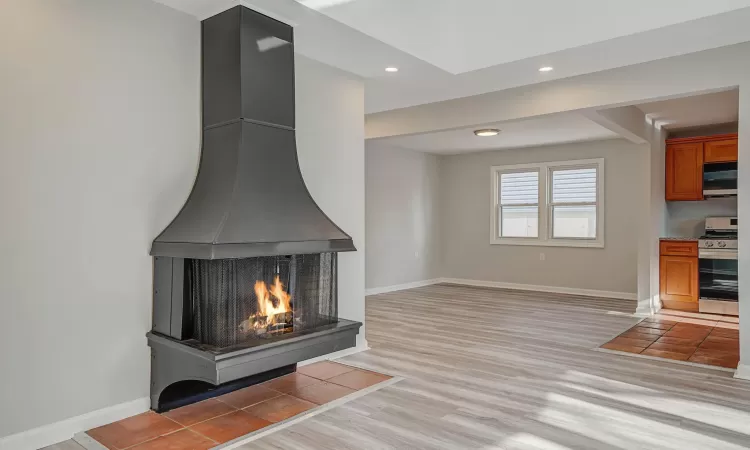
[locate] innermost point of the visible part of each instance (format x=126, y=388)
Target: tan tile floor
x=209, y=423
x=683, y=336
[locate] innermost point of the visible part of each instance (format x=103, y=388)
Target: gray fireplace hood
x=249, y=197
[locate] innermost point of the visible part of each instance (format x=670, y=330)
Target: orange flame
x=268, y=312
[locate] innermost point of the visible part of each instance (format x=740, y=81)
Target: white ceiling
x=448, y=49
x=555, y=129
x=698, y=110
x=461, y=36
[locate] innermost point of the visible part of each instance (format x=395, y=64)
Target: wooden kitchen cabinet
x=720, y=151
x=685, y=161
x=684, y=177
x=678, y=275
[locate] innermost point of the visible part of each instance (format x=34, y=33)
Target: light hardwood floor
x=497, y=369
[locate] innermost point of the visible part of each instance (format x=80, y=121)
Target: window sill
x=576, y=243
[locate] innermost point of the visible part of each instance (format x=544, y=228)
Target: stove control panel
x=723, y=244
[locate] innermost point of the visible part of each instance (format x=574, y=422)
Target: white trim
x=583, y=243
x=658, y=358
x=505, y=285
x=537, y=288
x=87, y=442
x=742, y=372
x=65, y=429
x=544, y=204
x=305, y=415
x=401, y=287
x=647, y=308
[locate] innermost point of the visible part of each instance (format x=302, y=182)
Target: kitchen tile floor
x=683, y=336
x=212, y=422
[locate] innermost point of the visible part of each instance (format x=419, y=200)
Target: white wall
x=465, y=192
x=99, y=139
x=99, y=110
x=402, y=216
x=653, y=221
x=331, y=149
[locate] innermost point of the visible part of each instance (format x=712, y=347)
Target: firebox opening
x=241, y=302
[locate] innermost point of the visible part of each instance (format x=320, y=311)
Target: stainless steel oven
x=717, y=263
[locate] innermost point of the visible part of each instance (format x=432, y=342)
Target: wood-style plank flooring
x=498, y=369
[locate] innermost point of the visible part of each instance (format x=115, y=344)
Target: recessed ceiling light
x=487, y=132
x=546, y=69
x=391, y=69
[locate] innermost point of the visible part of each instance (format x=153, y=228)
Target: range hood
x=249, y=197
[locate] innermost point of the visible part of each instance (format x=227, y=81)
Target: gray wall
x=100, y=136
x=401, y=216
x=465, y=221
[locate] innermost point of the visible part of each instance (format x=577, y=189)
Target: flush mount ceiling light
x=546, y=69
x=487, y=132
x=391, y=69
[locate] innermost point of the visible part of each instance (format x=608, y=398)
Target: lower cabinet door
x=678, y=282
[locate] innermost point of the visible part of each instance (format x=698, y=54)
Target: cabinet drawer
x=720, y=151
x=678, y=248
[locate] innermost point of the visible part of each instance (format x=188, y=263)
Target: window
x=573, y=204
x=552, y=204
x=519, y=204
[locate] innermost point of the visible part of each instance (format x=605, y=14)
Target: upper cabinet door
x=721, y=151
x=684, y=177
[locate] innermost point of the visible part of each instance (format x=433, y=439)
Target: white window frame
x=545, y=238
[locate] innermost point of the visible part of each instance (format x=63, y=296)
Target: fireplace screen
x=238, y=301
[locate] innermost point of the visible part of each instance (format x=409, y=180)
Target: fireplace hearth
x=245, y=276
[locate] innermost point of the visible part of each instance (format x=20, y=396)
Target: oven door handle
x=717, y=254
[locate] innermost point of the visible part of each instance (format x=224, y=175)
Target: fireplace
x=245, y=276
x=223, y=324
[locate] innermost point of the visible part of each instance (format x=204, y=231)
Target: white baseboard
x=62, y=431
x=537, y=288
x=401, y=287
x=742, y=372
x=504, y=285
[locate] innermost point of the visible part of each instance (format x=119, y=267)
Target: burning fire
x=270, y=312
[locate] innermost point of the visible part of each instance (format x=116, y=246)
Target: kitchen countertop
x=691, y=239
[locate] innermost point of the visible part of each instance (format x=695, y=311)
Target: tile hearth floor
x=700, y=338
x=212, y=422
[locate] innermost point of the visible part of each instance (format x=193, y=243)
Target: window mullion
x=544, y=197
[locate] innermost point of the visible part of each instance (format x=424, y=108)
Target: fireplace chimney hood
x=249, y=197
